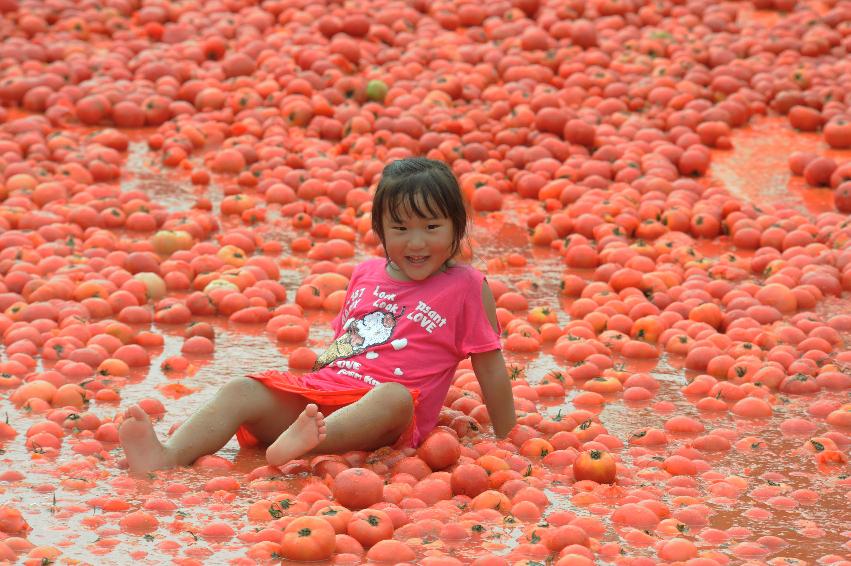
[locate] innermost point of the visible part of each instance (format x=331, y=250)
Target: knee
x=396, y=395
x=241, y=388
x=247, y=398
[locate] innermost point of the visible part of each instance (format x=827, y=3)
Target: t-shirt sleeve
x=475, y=333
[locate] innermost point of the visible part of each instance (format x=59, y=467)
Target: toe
x=136, y=412
x=311, y=410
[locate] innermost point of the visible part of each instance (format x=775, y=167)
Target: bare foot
x=141, y=445
x=301, y=437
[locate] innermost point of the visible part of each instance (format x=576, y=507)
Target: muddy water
x=756, y=170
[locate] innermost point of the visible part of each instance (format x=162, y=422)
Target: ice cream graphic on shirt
x=361, y=334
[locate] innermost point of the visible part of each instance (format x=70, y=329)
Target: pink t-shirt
x=410, y=332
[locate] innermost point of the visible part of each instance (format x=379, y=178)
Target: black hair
x=425, y=187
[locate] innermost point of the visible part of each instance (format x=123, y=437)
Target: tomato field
x=659, y=193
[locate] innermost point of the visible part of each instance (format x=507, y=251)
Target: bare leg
x=375, y=420
x=240, y=401
x=293, y=427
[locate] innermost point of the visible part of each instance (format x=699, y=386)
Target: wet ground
x=756, y=169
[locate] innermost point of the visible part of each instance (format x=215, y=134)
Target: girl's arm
x=496, y=389
x=492, y=376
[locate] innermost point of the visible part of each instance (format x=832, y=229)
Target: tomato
x=307, y=539
x=336, y=516
x=12, y=522
x=831, y=461
x=440, y=450
x=595, y=465
x=166, y=242
x=368, y=526
x=357, y=488
x=837, y=133
x=842, y=197
x=156, y=110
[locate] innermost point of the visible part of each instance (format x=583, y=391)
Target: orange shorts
x=327, y=400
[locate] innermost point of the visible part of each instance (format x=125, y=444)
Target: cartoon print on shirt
x=373, y=329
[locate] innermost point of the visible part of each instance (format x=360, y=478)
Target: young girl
x=406, y=322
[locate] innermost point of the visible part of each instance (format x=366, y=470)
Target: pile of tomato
x=185, y=189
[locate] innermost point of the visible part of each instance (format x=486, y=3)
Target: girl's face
x=418, y=247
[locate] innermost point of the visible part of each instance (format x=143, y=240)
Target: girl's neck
x=397, y=274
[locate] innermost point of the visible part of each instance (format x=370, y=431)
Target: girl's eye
x=433, y=226
x=399, y=228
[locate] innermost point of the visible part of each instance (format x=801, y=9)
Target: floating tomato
x=595, y=465
x=369, y=526
x=842, y=197
x=308, y=539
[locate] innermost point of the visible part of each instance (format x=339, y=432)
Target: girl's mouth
x=417, y=259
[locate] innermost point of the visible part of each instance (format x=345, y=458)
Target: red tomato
x=595, y=465
x=308, y=539
x=842, y=197
x=440, y=450
x=368, y=526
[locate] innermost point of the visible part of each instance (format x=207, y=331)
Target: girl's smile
x=417, y=247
